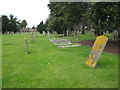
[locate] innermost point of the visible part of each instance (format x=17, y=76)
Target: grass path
x=48, y=66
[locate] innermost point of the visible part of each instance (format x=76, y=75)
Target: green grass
x=48, y=66
x=87, y=36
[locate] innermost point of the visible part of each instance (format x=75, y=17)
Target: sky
x=33, y=11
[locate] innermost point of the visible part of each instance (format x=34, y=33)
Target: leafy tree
x=9, y=24
x=105, y=16
x=41, y=27
x=33, y=27
x=65, y=15
x=102, y=16
x=23, y=24
x=5, y=23
x=13, y=24
x=0, y=24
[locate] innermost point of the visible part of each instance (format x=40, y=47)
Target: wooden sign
x=96, y=51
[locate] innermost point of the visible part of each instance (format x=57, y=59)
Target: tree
x=102, y=16
x=105, y=16
x=13, y=24
x=66, y=15
x=23, y=24
x=41, y=27
x=33, y=27
x=9, y=24
x=5, y=23
x=0, y=24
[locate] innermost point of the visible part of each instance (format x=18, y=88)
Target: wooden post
x=26, y=46
x=34, y=34
x=32, y=37
x=96, y=51
x=48, y=34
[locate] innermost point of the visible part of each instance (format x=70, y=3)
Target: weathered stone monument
x=115, y=35
x=48, y=34
x=77, y=35
x=96, y=51
x=44, y=33
x=67, y=33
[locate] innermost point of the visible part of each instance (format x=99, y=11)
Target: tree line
x=100, y=16
x=12, y=24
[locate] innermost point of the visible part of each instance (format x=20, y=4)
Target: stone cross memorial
x=96, y=51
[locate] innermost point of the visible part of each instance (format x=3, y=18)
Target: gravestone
x=48, y=34
x=44, y=33
x=67, y=33
x=96, y=51
x=107, y=31
x=55, y=32
x=73, y=34
x=115, y=35
x=77, y=35
x=61, y=42
x=8, y=32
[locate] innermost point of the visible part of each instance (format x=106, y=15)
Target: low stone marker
x=26, y=46
x=70, y=46
x=115, y=35
x=67, y=33
x=61, y=42
x=96, y=51
x=44, y=33
x=48, y=34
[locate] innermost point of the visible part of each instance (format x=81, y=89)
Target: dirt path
x=111, y=47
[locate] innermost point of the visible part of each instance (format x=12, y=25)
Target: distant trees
x=105, y=16
x=33, y=27
x=102, y=16
x=66, y=15
x=41, y=27
x=5, y=23
x=23, y=24
x=9, y=24
x=0, y=24
x=13, y=24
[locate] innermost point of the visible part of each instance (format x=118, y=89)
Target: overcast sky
x=33, y=11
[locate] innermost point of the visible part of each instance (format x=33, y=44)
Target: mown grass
x=48, y=66
x=88, y=36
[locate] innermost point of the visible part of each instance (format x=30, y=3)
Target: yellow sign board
x=96, y=51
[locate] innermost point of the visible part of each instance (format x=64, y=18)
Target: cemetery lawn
x=48, y=66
